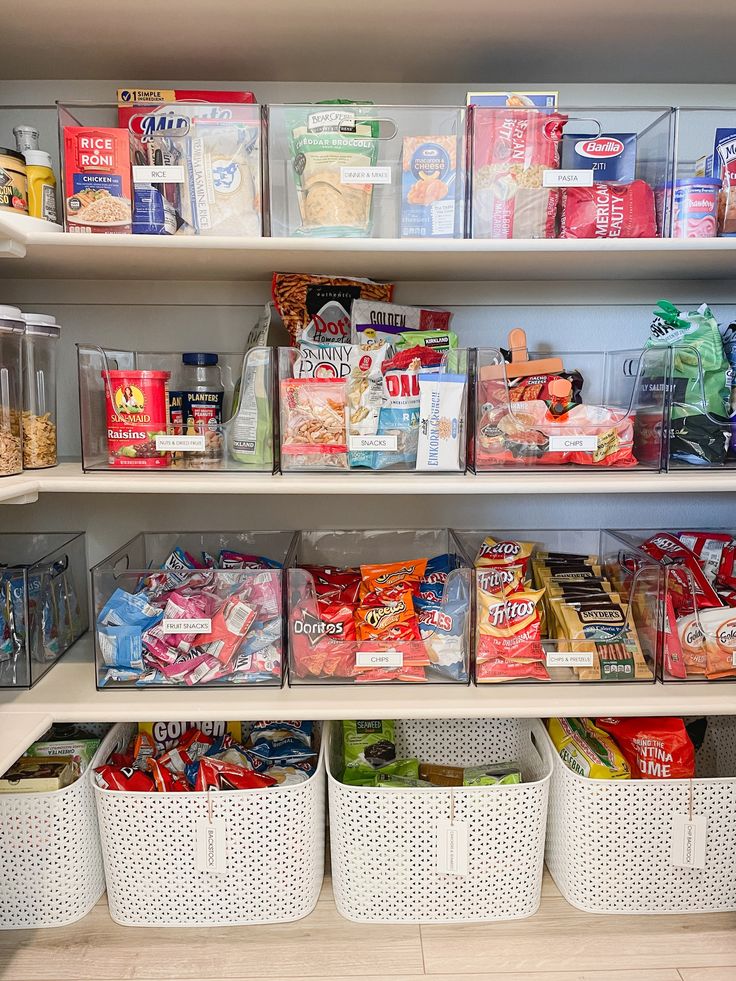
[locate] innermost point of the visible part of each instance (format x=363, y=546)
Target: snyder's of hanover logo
x=601, y=615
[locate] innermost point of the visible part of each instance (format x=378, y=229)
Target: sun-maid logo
x=129, y=401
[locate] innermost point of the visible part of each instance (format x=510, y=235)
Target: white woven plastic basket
x=385, y=842
x=274, y=854
x=609, y=841
x=51, y=870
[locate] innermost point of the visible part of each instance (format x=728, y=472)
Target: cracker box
x=429, y=187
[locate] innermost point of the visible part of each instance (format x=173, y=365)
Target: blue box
x=519, y=100
x=612, y=156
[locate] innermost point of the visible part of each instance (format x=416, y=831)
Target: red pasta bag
x=655, y=749
x=609, y=211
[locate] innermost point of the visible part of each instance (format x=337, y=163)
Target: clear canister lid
x=11, y=320
x=41, y=324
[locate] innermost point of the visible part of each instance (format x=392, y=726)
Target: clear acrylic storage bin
x=192, y=609
x=570, y=173
x=704, y=184
x=408, y=621
x=697, y=600
x=358, y=170
x=149, y=411
x=44, y=602
x=562, y=606
x=598, y=410
x=342, y=410
x=177, y=168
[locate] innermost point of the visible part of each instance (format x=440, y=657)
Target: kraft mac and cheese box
x=514, y=100
x=611, y=156
x=429, y=187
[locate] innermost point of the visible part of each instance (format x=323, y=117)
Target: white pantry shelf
x=69, y=478
x=30, y=250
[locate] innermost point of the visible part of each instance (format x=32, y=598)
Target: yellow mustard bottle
x=41, y=185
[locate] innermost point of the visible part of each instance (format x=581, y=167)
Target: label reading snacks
x=379, y=659
x=201, y=626
x=183, y=444
x=387, y=444
x=567, y=178
x=565, y=444
x=365, y=175
x=569, y=659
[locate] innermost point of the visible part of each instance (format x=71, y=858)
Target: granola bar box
x=97, y=180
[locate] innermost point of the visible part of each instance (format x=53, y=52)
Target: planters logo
x=611, y=156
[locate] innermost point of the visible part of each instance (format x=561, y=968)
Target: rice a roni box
x=97, y=179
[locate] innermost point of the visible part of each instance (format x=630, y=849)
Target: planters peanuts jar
x=695, y=207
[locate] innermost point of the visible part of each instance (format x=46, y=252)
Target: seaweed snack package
x=313, y=431
x=687, y=584
x=608, y=210
x=333, y=156
x=708, y=640
x=322, y=303
x=399, y=773
x=368, y=743
x=700, y=428
x=587, y=750
x=512, y=149
x=655, y=749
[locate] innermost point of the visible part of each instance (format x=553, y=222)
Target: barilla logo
x=600, y=148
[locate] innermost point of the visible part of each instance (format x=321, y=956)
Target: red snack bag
x=655, y=749
x=165, y=781
x=216, y=775
x=726, y=575
x=503, y=553
x=686, y=581
x=499, y=669
x=426, y=356
x=374, y=621
x=386, y=674
x=674, y=664
x=192, y=746
x=509, y=627
x=339, y=585
x=230, y=624
x=709, y=547
x=609, y=211
x=123, y=778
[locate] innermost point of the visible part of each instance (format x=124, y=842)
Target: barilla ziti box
x=97, y=179
x=611, y=156
x=515, y=100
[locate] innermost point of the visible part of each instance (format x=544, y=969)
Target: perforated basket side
x=609, y=843
x=274, y=855
x=385, y=840
x=51, y=871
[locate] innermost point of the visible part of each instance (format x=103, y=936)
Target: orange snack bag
x=391, y=575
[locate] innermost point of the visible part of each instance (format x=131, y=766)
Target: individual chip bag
x=393, y=575
x=709, y=547
x=509, y=627
x=313, y=427
x=165, y=780
x=686, y=582
x=708, y=639
x=655, y=748
x=443, y=629
x=215, y=774
x=274, y=741
x=388, y=617
x=387, y=320
x=111, y=777
x=587, y=750
x=494, y=553
x=364, y=397
x=608, y=210
x=322, y=302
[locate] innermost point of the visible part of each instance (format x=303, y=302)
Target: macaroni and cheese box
x=97, y=179
x=429, y=187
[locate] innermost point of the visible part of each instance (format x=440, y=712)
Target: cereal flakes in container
x=40, y=344
x=11, y=341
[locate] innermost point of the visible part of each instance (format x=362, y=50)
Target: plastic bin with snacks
x=378, y=607
x=569, y=173
x=562, y=606
x=352, y=169
x=435, y=821
x=642, y=814
x=12, y=328
x=51, y=871
x=194, y=410
x=192, y=609
x=212, y=823
x=592, y=409
x=163, y=162
x=697, y=599
x=43, y=606
x=704, y=184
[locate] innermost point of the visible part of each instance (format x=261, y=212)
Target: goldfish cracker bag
x=587, y=750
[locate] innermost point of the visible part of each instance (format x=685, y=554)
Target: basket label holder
x=210, y=842
x=687, y=848
x=452, y=843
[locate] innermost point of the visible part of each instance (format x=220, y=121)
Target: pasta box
x=611, y=156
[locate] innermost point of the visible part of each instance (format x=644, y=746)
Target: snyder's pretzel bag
x=318, y=308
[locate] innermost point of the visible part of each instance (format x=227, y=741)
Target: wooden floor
x=558, y=944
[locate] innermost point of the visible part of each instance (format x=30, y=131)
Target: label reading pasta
x=365, y=175
x=567, y=178
x=563, y=444
x=379, y=659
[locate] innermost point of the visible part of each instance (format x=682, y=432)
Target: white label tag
x=569, y=659
x=158, y=175
x=452, y=847
x=184, y=444
x=365, y=175
x=202, y=626
x=379, y=659
x=567, y=178
x=733, y=659
x=210, y=855
x=388, y=444
x=688, y=841
x=586, y=444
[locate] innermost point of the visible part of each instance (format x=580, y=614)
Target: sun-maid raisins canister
x=136, y=415
x=13, y=182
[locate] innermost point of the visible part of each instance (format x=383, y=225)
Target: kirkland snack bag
x=700, y=428
x=323, y=303
x=655, y=749
x=587, y=750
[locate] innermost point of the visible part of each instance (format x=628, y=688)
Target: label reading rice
x=201, y=626
x=387, y=444
x=210, y=854
x=567, y=444
x=365, y=175
x=452, y=847
x=158, y=175
x=184, y=444
x=688, y=841
x=569, y=659
x=379, y=659
x=567, y=178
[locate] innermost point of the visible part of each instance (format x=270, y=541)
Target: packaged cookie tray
x=379, y=607
x=595, y=410
x=698, y=598
x=194, y=410
x=563, y=606
x=44, y=602
x=192, y=609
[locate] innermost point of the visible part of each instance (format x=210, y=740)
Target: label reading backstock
x=210, y=845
